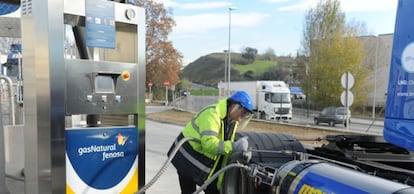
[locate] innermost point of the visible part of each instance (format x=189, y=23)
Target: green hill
x=206, y=69
x=209, y=70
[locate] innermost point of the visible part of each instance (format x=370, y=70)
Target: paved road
x=356, y=125
x=159, y=137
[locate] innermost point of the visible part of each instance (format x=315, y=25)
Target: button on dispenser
x=125, y=75
x=117, y=98
x=104, y=98
x=89, y=98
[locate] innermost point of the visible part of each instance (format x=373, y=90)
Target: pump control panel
x=99, y=88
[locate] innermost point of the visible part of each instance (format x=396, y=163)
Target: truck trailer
x=271, y=99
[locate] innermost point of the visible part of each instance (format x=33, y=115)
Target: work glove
x=240, y=145
x=240, y=152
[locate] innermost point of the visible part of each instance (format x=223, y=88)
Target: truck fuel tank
x=314, y=176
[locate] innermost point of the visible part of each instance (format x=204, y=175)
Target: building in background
x=378, y=55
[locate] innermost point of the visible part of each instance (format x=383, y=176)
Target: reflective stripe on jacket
x=207, y=126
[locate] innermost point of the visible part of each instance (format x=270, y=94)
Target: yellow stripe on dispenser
x=132, y=186
x=69, y=190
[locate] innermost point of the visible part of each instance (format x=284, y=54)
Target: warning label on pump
x=102, y=159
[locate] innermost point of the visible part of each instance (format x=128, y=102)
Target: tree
x=269, y=55
x=185, y=83
x=249, y=75
x=299, y=70
x=249, y=54
x=278, y=73
x=332, y=49
x=163, y=61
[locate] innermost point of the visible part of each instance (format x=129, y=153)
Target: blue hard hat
x=243, y=99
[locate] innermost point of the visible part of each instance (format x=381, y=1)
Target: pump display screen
x=104, y=84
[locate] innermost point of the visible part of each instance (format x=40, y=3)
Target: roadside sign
x=150, y=84
x=166, y=83
x=347, y=80
x=344, y=98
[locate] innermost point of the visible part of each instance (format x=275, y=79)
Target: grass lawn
x=204, y=92
x=258, y=67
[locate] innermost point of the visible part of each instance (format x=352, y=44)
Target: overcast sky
x=203, y=26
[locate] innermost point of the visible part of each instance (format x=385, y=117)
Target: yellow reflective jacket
x=199, y=159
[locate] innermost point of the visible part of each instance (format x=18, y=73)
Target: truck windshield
x=280, y=98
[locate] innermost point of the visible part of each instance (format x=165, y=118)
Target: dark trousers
x=188, y=186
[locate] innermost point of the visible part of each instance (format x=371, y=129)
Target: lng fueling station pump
x=84, y=115
x=84, y=75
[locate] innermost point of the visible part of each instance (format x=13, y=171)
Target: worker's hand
x=240, y=150
x=247, y=156
x=240, y=145
x=243, y=157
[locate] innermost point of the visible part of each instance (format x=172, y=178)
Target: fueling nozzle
x=263, y=175
x=241, y=157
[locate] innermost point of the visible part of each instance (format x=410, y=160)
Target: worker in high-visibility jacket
x=214, y=127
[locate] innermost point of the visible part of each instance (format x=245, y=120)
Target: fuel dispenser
x=84, y=96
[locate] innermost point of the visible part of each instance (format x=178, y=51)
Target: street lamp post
x=225, y=70
x=229, y=52
x=375, y=77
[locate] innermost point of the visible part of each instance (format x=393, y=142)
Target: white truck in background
x=271, y=99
